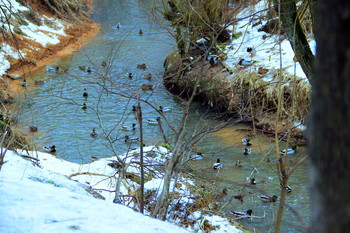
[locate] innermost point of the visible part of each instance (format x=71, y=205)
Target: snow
x=39, y=197
x=268, y=47
x=39, y=200
x=42, y=34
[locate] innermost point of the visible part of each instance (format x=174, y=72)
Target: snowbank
x=39, y=200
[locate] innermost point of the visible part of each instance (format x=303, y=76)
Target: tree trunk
x=329, y=120
x=296, y=35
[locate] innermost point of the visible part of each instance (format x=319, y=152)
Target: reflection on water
x=55, y=108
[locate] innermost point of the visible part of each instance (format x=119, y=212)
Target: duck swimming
x=24, y=83
x=244, y=63
x=217, y=165
x=85, y=94
x=289, y=151
x=89, y=70
x=154, y=122
x=267, y=198
x=246, y=142
x=247, y=151
x=164, y=109
x=51, y=149
x=130, y=139
x=93, y=133
x=129, y=128
x=130, y=75
x=197, y=156
x=84, y=106
x=241, y=214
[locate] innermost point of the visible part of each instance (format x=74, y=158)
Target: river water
x=55, y=108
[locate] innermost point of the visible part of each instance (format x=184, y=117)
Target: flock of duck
x=263, y=197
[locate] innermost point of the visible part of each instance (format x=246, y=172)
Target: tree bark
x=295, y=34
x=329, y=131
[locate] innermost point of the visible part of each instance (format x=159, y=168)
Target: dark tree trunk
x=329, y=120
x=296, y=35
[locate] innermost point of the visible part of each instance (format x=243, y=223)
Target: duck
x=148, y=76
x=140, y=32
x=39, y=82
x=244, y=63
x=89, y=70
x=217, y=165
x=53, y=69
x=104, y=63
x=287, y=188
x=289, y=151
x=241, y=214
x=82, y=68
x=59, y=70
x=147, y=87
x=142, y=66
x=129, y=128
x=85, y=94
x=84, y=106
x=252, y=181
x=117, y=26
x=247, y=151
x=134, y=109
x=128, y=139
x=239, y=163
x=213, y=60
x=251, y=51
x=130, y=75
x=224, y=193
x=267, y=198
x=51, y=149
x=154, y=122
x=24, y=83
x=164, y=109
x=197, y=156
x=93, y=134
x=246, y=142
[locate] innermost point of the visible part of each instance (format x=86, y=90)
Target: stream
x=56, y=109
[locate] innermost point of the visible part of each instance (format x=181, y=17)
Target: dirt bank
x=236, y=94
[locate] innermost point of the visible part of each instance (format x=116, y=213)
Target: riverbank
x=36, y=37
x=253, y=77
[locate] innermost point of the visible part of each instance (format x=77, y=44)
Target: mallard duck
x=84, y=106
x=117, y=26
x=217, y=165
x=82, y=68
x=141, y=66
x=33, y=129
x=52, y=69
x=89, y=70
x=85, y=94
x=287, y=188
x=154, y=122
x=39, y=82
x=140, y=32
x=134, y=109
x=148, y=76
x=128, y=139
x=251, y=51
x=262, y=71
x=239, y=163
x=247, y=151
x=104, y=63
x=129, y=128
x=24, y=83
x=51, y=149
x=224, y=193
x=246, y=142
x=59, y=70
x=197, y=156
x=252, y=181
x=244, y=63
x=289, y=151
x=213, y=60
x=164, y=109
x=267, y=198
x=93, y=134
x=130, y=75
x=241, y=214
x=147, y=87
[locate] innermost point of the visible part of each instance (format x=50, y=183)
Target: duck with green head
x=289, y=151
x=241, y=214
x=267, y=198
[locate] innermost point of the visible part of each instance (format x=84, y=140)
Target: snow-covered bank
x=39, y=200
x=37, y=196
